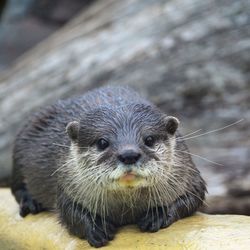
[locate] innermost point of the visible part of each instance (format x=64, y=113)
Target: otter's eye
x=102, y=144
x=149, y=141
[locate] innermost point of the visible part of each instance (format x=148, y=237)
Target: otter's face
x=124, y=148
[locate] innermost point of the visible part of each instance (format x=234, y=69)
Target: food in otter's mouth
x=120, y=161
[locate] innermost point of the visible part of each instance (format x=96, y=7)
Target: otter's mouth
x=131, y=179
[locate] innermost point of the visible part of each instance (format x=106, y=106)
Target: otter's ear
x=171, y=124
x=72, y=129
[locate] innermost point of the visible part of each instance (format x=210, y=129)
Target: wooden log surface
x=190, y=57
x=200, y=231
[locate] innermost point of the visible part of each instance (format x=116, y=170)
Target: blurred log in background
x=190, y=57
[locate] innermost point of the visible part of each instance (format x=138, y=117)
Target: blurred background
x=190, y=57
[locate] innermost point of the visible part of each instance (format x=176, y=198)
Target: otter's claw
x=99, y=234
x=28, y=205
x=154, y=219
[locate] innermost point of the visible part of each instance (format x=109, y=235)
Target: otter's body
x=118, y=162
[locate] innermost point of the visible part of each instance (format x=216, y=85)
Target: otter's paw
x=98, y=233
x=29, y=205
x=154, y=219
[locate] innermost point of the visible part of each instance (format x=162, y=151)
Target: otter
x=102, y=160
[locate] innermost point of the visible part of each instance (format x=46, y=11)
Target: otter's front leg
x=80, y=222
x=161, y=217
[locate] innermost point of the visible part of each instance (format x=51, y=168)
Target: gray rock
x=190, y=57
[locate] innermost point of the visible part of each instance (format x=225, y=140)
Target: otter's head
x=125, y=147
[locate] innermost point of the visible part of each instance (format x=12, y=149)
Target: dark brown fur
x=44, y=180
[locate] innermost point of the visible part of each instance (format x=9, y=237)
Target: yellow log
x=43, y=231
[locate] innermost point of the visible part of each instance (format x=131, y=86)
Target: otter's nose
x=129, y=157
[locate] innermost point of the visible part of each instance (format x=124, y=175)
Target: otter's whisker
x=180, y=182
x=201, y=157
x=212, y=131
x=196, y=131
x=160, y=198
x=65, y=164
